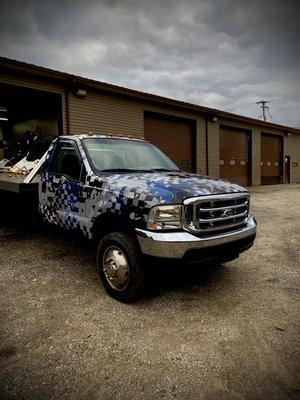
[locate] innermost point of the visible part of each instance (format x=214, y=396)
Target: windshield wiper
x=124, y=170
x=164, y=170
x=138, y=170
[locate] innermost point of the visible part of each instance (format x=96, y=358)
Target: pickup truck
x=135, y=202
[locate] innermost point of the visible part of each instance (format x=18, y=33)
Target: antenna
x=265, y=111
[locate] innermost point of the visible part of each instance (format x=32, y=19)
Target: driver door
x=66, y=175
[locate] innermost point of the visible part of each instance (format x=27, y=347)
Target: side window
x=65, y=161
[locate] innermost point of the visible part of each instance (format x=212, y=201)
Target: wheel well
x=107, y=223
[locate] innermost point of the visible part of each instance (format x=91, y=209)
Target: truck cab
x=134, y=200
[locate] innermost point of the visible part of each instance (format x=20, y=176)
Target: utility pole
x=265, y=112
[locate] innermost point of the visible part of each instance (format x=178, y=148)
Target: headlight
x=165, y=217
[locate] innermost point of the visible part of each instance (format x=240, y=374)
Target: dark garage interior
x=29, y=118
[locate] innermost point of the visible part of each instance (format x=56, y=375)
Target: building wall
x=256, y=157
x=104, y=113
x=108, y=113
x=200, y=146
x=213, y=149
x=292, y=149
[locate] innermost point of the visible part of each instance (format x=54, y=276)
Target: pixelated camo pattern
x=129, y=195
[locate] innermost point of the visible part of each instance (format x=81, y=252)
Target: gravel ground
x=229, y=333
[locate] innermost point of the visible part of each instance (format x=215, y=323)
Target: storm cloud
x=226, y=54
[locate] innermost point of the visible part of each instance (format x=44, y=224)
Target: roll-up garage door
x=234, y=163
x=173, y=136
x=271, y=159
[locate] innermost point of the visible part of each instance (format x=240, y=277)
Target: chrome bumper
x=176, y=244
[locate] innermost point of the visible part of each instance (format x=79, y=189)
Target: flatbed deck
x=15, y=183
x=19, y=183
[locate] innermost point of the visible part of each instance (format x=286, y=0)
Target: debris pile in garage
x=28, y=152
x=22, y=167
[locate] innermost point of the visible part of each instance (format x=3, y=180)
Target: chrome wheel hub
x=116, y=268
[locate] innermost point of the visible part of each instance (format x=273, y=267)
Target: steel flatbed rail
x=18, y=183
x=15, y=183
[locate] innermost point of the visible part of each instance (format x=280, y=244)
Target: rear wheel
x=119, y=266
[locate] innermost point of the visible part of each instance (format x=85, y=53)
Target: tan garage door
x=271, y=162
x=234, y=165
x=173, y=136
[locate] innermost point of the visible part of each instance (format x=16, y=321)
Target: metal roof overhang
x=72, y=81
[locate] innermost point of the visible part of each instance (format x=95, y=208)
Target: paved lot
x=204, y=334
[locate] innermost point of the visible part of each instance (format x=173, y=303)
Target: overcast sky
x=226, y=54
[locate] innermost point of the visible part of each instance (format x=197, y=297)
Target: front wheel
x=119, y=266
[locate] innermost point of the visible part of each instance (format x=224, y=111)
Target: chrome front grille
x=215, y=213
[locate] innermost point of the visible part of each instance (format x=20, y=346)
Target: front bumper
x=183, y=244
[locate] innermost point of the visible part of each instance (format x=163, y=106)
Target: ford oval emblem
x=227, y=213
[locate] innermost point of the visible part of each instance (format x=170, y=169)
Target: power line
x=265, y=110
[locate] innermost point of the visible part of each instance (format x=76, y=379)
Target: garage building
x=43, y=103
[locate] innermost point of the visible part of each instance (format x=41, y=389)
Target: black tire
x=129, y=248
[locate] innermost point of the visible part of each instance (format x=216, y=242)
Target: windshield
x=127, y=155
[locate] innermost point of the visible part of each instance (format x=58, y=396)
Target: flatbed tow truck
x=130, y=197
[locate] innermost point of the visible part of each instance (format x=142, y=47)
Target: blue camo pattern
x=129, y=195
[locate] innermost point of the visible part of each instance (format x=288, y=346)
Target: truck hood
x=172, y=187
